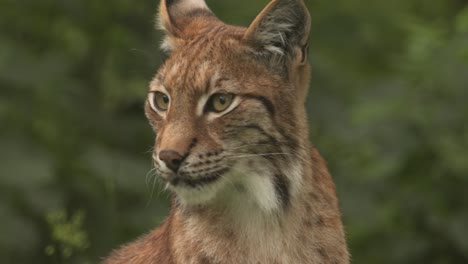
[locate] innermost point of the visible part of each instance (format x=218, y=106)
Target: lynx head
x=228, y=104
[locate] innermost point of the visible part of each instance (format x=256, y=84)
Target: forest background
x=388, y=109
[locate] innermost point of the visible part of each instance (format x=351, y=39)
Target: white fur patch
x=258, y=190
x=294, y=171
x=201, y=104
x=184, y=6
x=166, y=44
x=190, y=196
x=261, y=188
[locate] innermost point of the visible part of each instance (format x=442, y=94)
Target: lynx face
x=227, y=105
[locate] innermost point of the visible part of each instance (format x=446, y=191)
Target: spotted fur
x=248, y=186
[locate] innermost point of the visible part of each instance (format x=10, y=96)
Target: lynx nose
x=171, y=158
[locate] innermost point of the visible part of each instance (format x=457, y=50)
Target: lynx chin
x=232, y=144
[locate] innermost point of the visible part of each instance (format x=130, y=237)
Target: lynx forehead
x=231, y=145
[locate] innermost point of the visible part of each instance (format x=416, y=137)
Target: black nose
x=171, y=158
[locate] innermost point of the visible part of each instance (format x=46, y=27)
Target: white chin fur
x=202, y=195
x=256, y=186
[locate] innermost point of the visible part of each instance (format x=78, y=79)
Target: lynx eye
x=160, y=101
x=219, y=102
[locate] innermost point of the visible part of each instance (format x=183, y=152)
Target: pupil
x=165, y=99
x=222, y=100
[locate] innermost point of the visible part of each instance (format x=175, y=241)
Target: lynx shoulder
x=227, y=107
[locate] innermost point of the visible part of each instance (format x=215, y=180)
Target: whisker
x=289, y=151
x=152, y=190
x=153, y=177
x=257, y=155
x=250, y=145
x=149, y=174
x=150, y=150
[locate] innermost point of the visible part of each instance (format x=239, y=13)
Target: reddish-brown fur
x=302, y=224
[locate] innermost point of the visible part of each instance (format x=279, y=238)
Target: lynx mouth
x=185, y=179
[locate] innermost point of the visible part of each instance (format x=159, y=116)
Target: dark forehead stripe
x=262, y=99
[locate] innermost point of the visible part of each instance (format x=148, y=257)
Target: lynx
x=232, y=144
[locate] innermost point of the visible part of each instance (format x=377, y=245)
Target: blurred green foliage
x=387, y=104
x=67, y=236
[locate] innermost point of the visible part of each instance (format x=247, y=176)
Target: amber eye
x=219, y=102
x=160, y=101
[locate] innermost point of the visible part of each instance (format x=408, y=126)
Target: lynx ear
x=281, y=30
x=180, y=19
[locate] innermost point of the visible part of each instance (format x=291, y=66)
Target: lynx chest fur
x=227, y=107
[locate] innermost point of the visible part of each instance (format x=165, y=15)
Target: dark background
x=388, y=110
